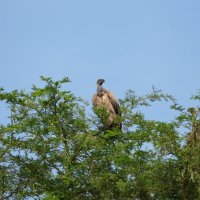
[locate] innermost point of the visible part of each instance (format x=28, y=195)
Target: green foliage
x=50, y=150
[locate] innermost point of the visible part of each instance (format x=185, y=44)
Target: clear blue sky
x=132, y=44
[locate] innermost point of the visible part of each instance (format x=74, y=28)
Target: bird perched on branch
x=106, y=107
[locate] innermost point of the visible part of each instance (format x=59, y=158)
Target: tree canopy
x=51, y=149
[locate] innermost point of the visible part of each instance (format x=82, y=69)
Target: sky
x=131, y=44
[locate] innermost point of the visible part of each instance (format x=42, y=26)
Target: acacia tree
x=51, y=149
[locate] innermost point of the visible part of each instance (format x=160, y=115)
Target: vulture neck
x=100, y=89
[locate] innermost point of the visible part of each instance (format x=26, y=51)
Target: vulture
x=106, y=107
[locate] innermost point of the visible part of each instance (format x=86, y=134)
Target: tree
x=51, y=149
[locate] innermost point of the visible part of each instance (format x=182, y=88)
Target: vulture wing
x=114, y=102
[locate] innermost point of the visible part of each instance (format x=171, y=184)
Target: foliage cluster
x=52, y=149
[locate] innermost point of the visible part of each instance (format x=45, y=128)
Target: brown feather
x=107, y=101
x=114, y=102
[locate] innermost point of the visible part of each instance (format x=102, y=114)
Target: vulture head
x=106, y=107
x=100, y=81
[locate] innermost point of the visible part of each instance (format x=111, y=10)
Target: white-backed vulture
x=106, y=107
